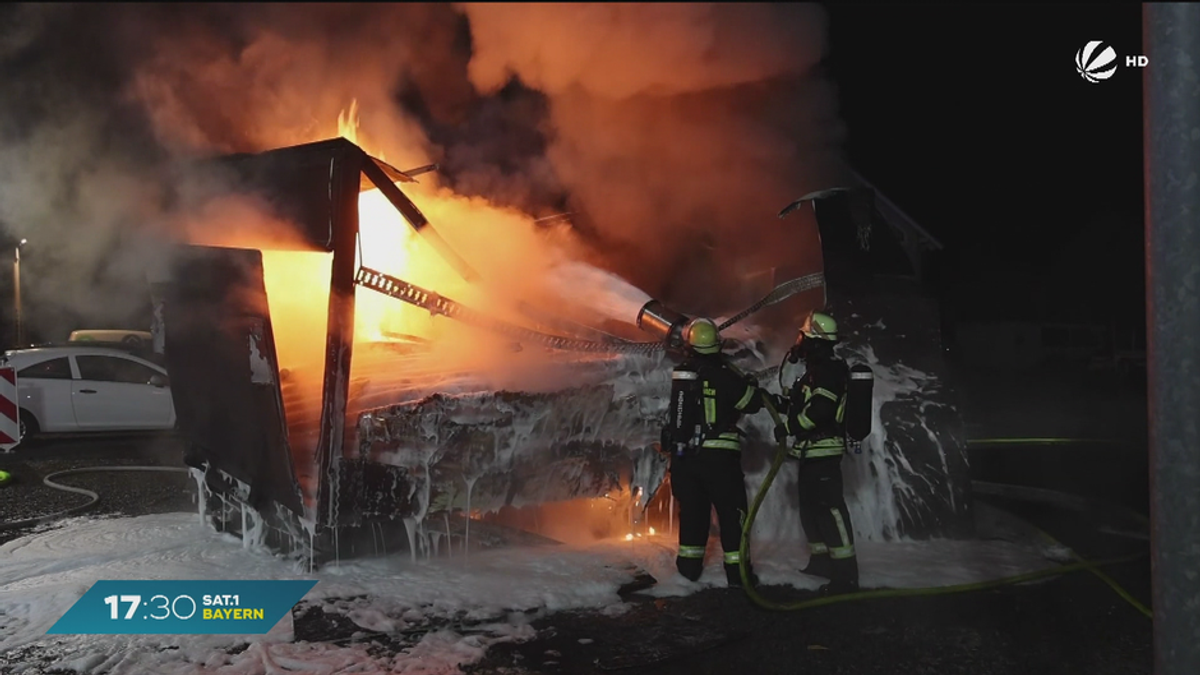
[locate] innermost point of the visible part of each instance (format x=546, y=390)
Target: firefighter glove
x=780, y=433
x=780, y=402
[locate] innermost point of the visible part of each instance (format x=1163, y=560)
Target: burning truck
x=329, y=410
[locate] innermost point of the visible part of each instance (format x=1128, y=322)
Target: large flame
x=510, y=252
x=505, y=246
x=298, y=282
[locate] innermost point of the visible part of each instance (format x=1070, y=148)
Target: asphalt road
x=121, y=492
x=1070, y=624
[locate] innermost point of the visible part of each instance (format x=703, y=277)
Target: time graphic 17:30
x=182, y=607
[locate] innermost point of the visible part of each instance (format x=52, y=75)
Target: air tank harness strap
x=722, y=440
x=825, y=447
x=728, y=440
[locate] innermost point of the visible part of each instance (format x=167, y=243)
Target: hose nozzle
x=663, y=322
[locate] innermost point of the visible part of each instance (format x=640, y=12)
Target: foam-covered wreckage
x=911, y=477
x=355, y=466
x=376, y=461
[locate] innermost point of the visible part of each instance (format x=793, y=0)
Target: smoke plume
x=673, y=133
x=679, y=129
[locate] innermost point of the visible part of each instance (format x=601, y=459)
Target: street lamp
x=17, y=292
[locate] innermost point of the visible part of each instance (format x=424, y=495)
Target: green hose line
x=93, y=497
x=1045, y=441
x=1099, y=574
x=752, y=593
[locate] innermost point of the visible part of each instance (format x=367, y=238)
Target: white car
x=74, y=389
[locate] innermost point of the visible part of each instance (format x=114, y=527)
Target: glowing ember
x=629, y=537
x=652, y=532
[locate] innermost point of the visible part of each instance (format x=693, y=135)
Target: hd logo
x=1097, y=61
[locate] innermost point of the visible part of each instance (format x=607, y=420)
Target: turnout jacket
x=708, y=398
x=816, y=409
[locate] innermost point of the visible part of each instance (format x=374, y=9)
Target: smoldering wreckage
x=365, y=446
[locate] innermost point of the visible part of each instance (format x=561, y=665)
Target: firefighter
x=815, y=418
x=708, y=398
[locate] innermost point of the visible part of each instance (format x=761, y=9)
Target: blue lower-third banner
x=181, y=607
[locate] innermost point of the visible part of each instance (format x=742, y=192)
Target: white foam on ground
x=43, y=574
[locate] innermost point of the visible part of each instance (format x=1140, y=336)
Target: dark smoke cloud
x=679, y=129
x=675, y=131
x=101, y=106
x=71, y=160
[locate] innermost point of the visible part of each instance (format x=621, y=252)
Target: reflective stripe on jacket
x=817, y=409
x=725, y=395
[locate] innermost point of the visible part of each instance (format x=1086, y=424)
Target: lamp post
x=17, y=293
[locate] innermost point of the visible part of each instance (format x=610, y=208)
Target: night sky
x=974, y=121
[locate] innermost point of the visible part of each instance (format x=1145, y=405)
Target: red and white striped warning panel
x=10, y=416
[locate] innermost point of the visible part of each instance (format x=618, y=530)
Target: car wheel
x=28, y=426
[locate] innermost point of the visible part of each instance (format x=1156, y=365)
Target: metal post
x=20, y=333
x=1172, y=155
x=339, y=341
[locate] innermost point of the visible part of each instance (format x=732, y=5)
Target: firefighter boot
x=843, y=578
x=690, y=568
x=819, y=565
x=733, y=575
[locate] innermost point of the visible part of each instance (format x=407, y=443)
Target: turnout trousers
x=826, y=522
x=704, y=479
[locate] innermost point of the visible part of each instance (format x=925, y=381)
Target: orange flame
x=505, y=245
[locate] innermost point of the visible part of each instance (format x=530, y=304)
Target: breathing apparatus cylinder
x=663, y=322
x=859, y=402
x=686, y=421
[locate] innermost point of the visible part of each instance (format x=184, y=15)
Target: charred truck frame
x=287, y=472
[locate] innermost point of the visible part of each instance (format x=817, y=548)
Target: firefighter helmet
x=702, y=335
x=819, y=326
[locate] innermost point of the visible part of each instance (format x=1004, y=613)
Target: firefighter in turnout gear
x=708, y=398
x=815, y=419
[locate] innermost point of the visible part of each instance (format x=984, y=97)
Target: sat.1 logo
x=1097, y=61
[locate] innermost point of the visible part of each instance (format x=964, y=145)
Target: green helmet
x=702, y=335
x=820, y=326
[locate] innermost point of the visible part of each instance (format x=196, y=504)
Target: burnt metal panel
x=297, y=183
x=302, y=184
x=315, y=186
x=879, y=301
x=219, y=351
x=862, y=236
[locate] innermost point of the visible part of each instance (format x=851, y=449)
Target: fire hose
x=780, y=293
x=92, y=496
x=755, y=597
x=437, y=304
